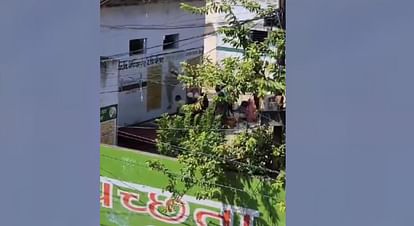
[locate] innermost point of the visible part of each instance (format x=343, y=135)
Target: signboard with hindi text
x=132, y=194
x=148, y=85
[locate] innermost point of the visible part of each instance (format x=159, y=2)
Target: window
x=170, y=42
x=258, y=36
x=137, y=46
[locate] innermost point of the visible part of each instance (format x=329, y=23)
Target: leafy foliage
x=258, y=71
x=175, y=130
x=196, y=146
x=197, y=139
x=200, y=145
x=170, y=137
x=253, y=148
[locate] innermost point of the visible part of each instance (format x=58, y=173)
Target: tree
x=207, y=158
x=198, y=140
x=258, y=70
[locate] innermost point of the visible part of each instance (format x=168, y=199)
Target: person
x=205, y=102
x=218, y=89
x=243, y=106
x=243, y=110
x=224, y=107
x=281, y=100
x=251, y=111
x=180, y=102
x=191, y=97
x=220, y=109
x=200, y=104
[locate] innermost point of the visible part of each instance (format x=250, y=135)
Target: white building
x=150, y=39
x=109, y=101
x=214, y=46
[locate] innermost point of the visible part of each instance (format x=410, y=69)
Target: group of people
x=247, y=110
x=202, y=101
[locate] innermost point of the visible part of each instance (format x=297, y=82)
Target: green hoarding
x=132, y=195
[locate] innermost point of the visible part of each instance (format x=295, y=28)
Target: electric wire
x=174, y=173
x=181, y=40
x=202, y=153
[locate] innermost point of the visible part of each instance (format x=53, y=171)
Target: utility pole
x=282, y=13
x=281, y=17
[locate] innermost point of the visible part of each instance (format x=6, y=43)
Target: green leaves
x=252, y=6
x=168, y=131
x=281, y=206
x=195, y=149
x=210, y=7
x=257, y=72
x=206, y=156
x=198, y=141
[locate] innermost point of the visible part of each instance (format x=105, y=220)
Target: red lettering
x=127, y=199
x=106, y=198
x=179, y=217
x=201, y=216
x=246, y=220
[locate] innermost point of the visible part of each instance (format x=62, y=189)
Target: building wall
x=109, y=83
x=109, y=102
x=165, y=14
x=141, y=104
x=210, y=43
x=224, y=50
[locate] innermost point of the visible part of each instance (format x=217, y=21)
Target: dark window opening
x=170, y=42
x=137, y=46
x=258, y=36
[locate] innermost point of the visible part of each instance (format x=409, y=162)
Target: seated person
x=204, y=101
x=243, y=106
x=281, y=100
x=180, y=103
x=243, y=110
x=190, y=98
x=251, y=111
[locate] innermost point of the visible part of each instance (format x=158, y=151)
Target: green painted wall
x=130, y=172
